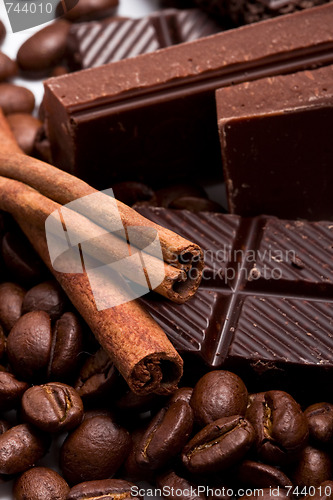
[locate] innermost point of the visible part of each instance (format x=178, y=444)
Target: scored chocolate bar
x=266, y=299
x=277, y=148
x=153, y=117
x=97, y=43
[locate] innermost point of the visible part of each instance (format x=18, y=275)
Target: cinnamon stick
x=133, y=340
x=21, y=200
x=63, y=188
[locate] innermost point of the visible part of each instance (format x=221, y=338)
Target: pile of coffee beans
x=212, y=441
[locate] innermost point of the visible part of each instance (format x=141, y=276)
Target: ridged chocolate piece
x=97, y=43
x=266, y=299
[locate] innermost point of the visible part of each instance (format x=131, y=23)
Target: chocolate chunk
x=254, y=308
x=159, y=108
x=277, y=147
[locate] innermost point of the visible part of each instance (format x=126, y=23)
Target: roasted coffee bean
x=218, y=394
x=98, y=376
x=115, y=489
x=8, y=67
x=59, y=71
x=323, y=492
x=178, y=487
x=11, y=299
x=281, y=427
x=3, y=342
x=11, y=391
x=267, y=494
x=48, y=297
x=165, y=197
x=95, y=450
x=313, y=467
x=15, y=99
x=40, y=483
x=29, y=345
x=182, y=394
x=21, y=260
x=132, y=192
x=20, y=448
x=259, y=475
x=166, y=435
x=44, y=49
x=196, y=204
x=219, y=445
x=24, y=128
x=67, y=336
x=52, y=407
x=132, y=470
x=90, y=9
x=2, y=32
x=320, y=422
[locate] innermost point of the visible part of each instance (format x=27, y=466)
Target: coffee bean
x=40, y=483
x=67, y=346
x=44, y=49
x=259, y=475
x=52, y=407
x=323, y=492
x=21, y=260
x=132, y=470
x=196, y=204
x=20, y=448
x=11, y=299
x=182, y=394
x=314, y=466
x=98, y=376
x=281, y=427
x=11, y=391
x=219, y=445
x=24, y=128
x=3, y=342
x=48, y=297
x=320, y=421
x=90, y=9
x=95, y=450
x=132, y=192
x=178, y=487
x=166, y=435
x=218, y=394
x=267, y=494
x=15, y=99
x=59, y=71
x=8, y=67
x=165, y=197
x=116, y=489
x=2, y=32
x=29, y=345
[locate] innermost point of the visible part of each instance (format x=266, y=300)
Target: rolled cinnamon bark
x=134, y=341
x=64, y=188
x=23, y=201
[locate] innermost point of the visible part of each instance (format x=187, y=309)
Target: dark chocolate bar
x=277, y=148
x=97, y=43
x=266, y=298
x=153, y=117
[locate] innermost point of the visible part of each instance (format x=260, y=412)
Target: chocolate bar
x=277, y=148
x=97, y=43
x=266, y=299
x=123, y=120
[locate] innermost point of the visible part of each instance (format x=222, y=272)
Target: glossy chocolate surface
x=127, y=109
x=277, y=145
